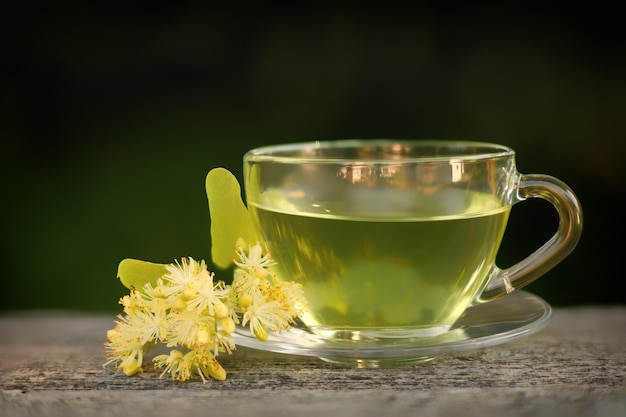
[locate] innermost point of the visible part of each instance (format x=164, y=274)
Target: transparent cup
x=397, y=238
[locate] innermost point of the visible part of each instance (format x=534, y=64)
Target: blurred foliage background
x=112, y=117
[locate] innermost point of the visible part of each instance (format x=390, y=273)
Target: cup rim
x=284, y=152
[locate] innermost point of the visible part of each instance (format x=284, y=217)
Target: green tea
x=385, y=276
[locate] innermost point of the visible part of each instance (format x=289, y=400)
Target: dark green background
x=112, y=117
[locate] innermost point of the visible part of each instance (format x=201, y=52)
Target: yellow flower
x=184, y=327
x=264, y=314
x=208, y=296
x=290, y=296
x=194, y=315
x=246, y=283
x=176, y=364
x=183, y=275
x=182, y=367
x=254, y=259
x=125, y=347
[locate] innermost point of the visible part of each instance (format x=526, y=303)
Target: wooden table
x=51, y=364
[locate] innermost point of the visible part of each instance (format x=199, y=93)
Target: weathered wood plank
x=51, y=362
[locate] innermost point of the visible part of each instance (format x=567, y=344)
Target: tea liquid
x=385, y=276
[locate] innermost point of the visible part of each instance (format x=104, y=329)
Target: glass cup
x=397, y=238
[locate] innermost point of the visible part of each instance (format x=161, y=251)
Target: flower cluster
x=194, y=316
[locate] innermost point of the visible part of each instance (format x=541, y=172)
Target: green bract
x=229, y=216
x=229, y=222
x=136, y=274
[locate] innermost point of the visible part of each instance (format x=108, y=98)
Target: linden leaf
x=230, y=219
x=135, y=273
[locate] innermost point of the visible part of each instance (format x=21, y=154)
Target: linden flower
x=184, y=275
x=183, y=366
x=254, y=262
x=265, y=314
x=125, y=347
x=253, y=270
x=267, y=303
x=290, y=296
x=194, y=315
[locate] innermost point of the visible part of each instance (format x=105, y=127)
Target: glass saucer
x=502, y=320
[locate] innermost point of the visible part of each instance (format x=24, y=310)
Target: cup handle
x=560, y=245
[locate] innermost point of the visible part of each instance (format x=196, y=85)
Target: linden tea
x=397, y=238
x=401, y=276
